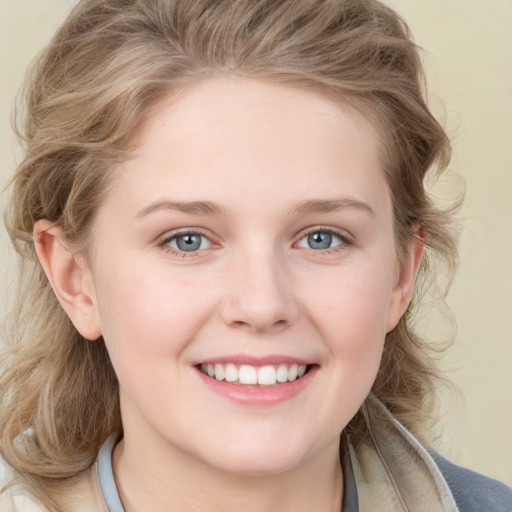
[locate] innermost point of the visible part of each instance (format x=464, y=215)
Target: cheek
x=148, y=316
x=354, y=301
x=147, y=325
x=352, y=321
x=351, y=315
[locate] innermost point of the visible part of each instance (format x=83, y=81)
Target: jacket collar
x=392, y=470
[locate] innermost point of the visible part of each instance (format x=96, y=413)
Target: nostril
x=240, y=323
x=259, y=326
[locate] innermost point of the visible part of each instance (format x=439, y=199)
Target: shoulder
x=472, y=491
x=78, y=494
x=13, y=496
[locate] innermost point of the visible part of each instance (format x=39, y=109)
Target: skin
x=262, y=153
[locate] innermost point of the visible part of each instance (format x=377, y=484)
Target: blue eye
x=321, y=240
x=188, y=242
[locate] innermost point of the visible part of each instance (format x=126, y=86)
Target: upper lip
x=240, y=359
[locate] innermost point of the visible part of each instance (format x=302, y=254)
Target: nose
x=260, y=296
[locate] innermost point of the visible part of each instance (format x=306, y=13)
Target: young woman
x=221, y=220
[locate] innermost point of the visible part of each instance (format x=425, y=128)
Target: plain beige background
x=468, y=47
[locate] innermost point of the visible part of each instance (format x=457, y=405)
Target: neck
x=169, y=479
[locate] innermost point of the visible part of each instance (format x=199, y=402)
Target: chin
x=254, y=455
x=259, y=465
x=257, y=448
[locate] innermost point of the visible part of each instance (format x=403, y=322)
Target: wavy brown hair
x=84, y=99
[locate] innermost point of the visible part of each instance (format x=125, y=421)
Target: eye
x=187, y=242
x=321, y=240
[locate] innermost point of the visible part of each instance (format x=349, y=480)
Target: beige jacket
x=393, y=473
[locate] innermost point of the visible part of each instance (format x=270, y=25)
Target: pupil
x=188, y=242
x=319, y=240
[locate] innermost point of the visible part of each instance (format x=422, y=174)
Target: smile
x=268, y=375
x=253, y=381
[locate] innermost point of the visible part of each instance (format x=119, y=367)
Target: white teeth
x=219, y=372
x=292, y=372
x=282, y=373
x=267, y=376
x=231, y=373
x=246, y=374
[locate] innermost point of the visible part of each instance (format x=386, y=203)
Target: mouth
x=251, y=381
x=259, y=376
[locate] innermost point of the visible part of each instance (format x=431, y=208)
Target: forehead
x=228, y=138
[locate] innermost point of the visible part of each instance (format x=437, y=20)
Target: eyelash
x=177, y=252
x=345, y=241
x=164, y=243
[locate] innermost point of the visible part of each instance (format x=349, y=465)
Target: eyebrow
x=192, y=207
x=210, y=208
x=331, y=205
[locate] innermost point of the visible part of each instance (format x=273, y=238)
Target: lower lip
x=259, y=395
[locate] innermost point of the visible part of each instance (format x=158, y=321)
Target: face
x=243, y=275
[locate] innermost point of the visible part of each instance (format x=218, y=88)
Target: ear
x=404, y=288
x=69, y=277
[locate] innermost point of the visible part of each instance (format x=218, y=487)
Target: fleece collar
x=393, y=471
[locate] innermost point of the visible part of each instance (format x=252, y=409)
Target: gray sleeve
x=472, y=491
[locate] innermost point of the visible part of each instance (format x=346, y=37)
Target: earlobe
x=404, y=288
x=69, y=277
